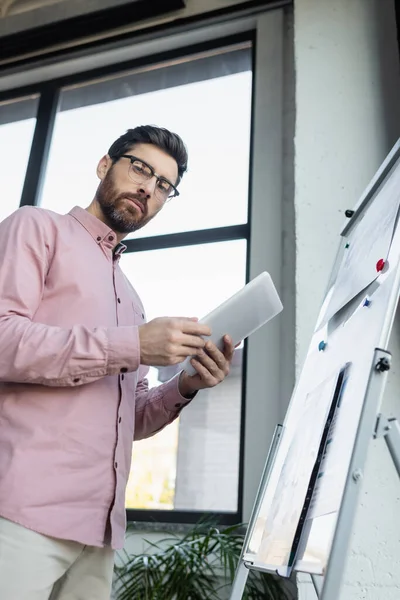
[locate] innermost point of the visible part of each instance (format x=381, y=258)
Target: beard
x=119, y=214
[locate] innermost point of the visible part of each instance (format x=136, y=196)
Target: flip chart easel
x=306, y=503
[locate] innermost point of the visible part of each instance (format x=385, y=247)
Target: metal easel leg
x=239, y=584
x=318, y=582
x=307, y=586
x=390, y=430
x=242, y=571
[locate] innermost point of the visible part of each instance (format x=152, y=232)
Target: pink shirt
x=73, y=395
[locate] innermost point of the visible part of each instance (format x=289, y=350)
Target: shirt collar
x=99, y=231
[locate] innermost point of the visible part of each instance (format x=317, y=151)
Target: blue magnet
x=367, y=302
x=321, y=346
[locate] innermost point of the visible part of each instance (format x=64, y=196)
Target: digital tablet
x=242, y=314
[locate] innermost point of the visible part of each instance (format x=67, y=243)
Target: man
x=74, y=353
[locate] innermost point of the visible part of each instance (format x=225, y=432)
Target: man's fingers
x=210, y=372
x=187, y=318
x=192, y=327
x=213, y=360
x=193, y=342
x=200, y=369
x=229, y=348
x=216, y=355
x=221, y=356
x=184, y=351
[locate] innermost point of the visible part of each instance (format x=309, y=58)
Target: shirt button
x=124, y=370
x=122, y=377
x=116, y=465
x=76, y=380
x=119, y=420
x=110, y=238
x=142, y=316
x=99, y=238
x=119, y=300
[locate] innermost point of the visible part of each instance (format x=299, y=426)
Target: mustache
x=135, y=197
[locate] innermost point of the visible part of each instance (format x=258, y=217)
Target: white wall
x=347, y=119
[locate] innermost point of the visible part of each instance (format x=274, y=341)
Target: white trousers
x=36, y=567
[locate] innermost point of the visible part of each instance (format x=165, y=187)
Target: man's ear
x=103, y=166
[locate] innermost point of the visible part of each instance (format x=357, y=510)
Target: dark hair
x=170, y=142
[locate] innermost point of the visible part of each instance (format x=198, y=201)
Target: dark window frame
x=49, y=94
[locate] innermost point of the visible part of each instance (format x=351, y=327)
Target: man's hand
x=212, y=367
x=169, y=340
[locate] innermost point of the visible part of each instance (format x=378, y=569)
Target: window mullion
x=189, y=238
x=37, y=163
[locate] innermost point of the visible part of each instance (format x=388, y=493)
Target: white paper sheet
x=327, y=493
x=367, y=244
x=281, y=517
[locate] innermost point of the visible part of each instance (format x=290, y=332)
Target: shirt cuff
x=123, y=350
x=172, y=398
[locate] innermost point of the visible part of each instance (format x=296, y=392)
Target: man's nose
x=147, y=188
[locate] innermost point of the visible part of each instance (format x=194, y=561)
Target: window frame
x=261, y=359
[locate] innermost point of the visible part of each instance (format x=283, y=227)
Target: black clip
x=383, y=364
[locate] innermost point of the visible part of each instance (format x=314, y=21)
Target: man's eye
x=164, y=185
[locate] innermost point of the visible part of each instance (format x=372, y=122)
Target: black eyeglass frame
x=153, y=173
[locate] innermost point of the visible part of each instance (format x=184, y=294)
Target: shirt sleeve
x=32, y=352
x=156, y=407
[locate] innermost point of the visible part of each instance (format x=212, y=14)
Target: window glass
x=212, y=115
x=193, y=464
x=17, y=124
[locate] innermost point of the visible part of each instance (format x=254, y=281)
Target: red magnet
x=380, y=264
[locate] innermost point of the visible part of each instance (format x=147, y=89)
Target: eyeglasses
x=140, y=172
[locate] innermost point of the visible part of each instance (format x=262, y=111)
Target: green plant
x=197, y=566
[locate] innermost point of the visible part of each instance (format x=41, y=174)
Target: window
x=192, y=465
x=17, y=124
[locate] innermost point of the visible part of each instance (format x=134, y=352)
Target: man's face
x=125, y=204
